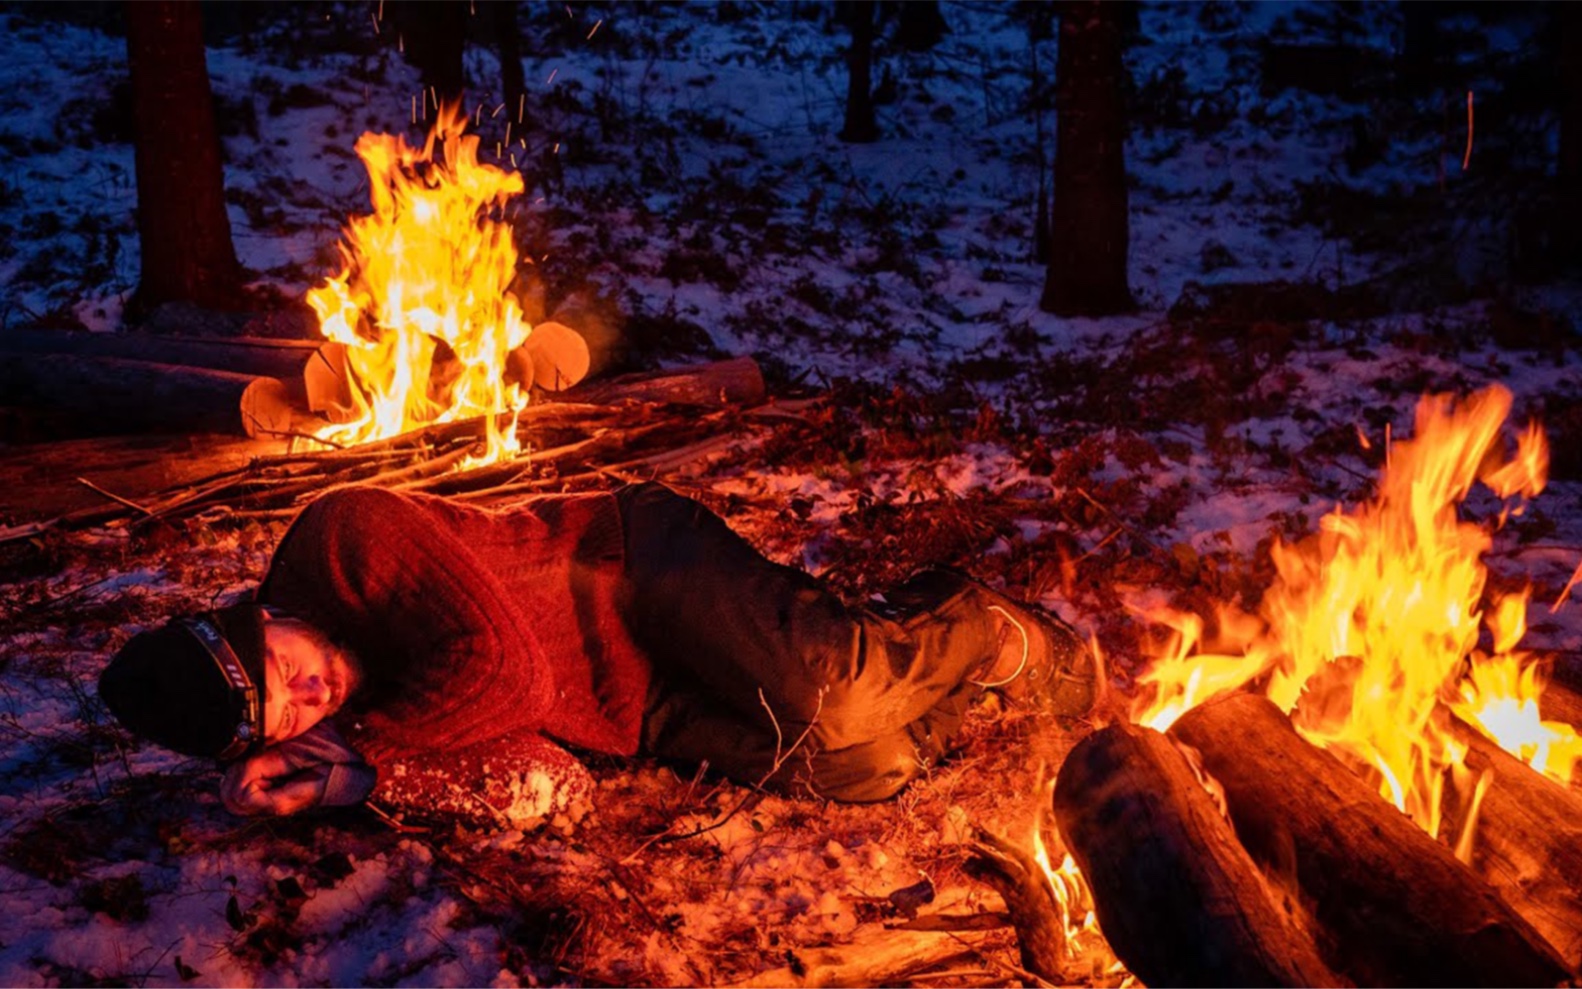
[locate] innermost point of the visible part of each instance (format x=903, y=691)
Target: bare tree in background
x=432, y=35
x=1089, y=225
x=512, y=80
x=1567, y=219
x=182, y=226
x=859, y=16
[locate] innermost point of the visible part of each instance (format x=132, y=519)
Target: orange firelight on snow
x=421, y=303
x=1369, y=635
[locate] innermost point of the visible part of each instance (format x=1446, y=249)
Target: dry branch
x=1030, y=899
x=881, y=958
x=1398, y=906
x=1180, y=902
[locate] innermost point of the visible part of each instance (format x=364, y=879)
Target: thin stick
x=129, y=503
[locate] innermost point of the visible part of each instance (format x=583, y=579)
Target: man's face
x=306, y=678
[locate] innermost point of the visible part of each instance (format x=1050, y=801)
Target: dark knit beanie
x=172, y=685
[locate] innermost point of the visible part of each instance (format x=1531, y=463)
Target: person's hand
x=267, y=784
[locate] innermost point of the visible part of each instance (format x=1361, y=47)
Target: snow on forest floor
x=682, y=168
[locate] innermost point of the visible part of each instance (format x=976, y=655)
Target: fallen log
x=1527, y=840
x=1397, y=905
x=115, y=395
x=738, y=381
x=257, y=356
x=1180, y=902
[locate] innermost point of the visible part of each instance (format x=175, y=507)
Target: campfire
x=422, y=303
x=1355, y=784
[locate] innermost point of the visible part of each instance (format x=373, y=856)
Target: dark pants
x=748, y=654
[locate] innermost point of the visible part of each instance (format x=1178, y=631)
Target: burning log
x=1398, y=906
x=1527, y=841
x=1562, y=697
x=1029, y=897
x=1180, y=902
x=113, y=394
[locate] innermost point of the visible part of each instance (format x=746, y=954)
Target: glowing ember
x=421, y=303
x=1369, y=635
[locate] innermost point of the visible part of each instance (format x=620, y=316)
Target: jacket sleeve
x=448, y=654
x=321, y=753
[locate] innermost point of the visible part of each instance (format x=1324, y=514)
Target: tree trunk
x=919, y=25
x=859, y=127
x=432, y=34
x=512, y=81
x=1527, y=842
x=1566, y=240
x=1400, y=908
x=182, y=226
x=1181, y=903
x=1089, y=226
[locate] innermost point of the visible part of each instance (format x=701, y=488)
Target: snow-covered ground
x=681, y=162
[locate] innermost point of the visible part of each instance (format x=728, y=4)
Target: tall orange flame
x=1369, y=635
x=421, y=301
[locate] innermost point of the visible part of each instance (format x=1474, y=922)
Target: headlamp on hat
x=194, y=685
x=250, y=728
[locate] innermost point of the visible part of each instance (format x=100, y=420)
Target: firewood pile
x=1231, y=851
x=638, y=426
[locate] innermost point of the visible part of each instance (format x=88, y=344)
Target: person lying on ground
x=443, y=657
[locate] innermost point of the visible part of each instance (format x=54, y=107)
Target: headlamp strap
x=231, y=668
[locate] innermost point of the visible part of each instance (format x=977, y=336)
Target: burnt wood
x=1030, y=900
x=1180, y=901
x=1398, y=907
x=1527, y=841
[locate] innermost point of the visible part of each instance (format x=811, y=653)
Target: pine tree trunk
x=860, y=127
x=1089, y=227
x=182, y=226
x=512, y=80
x=1566, y=240
x=433, y=34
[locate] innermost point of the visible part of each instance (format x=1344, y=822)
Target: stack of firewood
x=1305, y=875
x=640, y=425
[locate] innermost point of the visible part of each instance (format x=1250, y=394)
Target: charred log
x=1179, y=900
x=1029, y=898
x=1398, y=906
x=1527, y=841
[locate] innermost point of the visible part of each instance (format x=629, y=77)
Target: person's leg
x=748, y=654
x=681, y=726
x=768, y=640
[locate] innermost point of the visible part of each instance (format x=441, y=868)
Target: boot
x=1042, y=663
